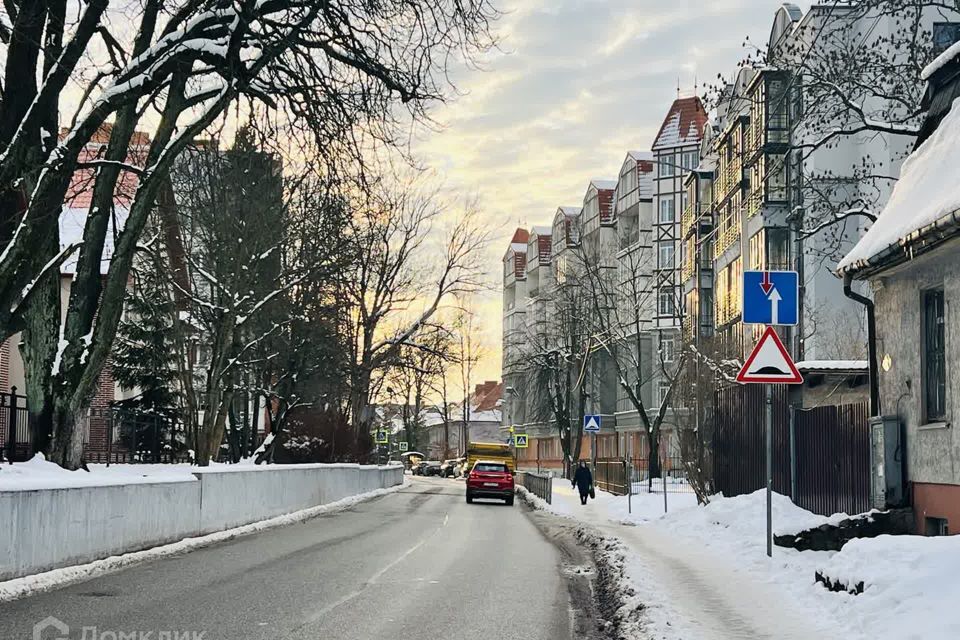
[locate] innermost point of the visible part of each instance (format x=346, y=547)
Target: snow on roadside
x=37, y=473
x=910, y=586
x=56, y=578
x=699, y=568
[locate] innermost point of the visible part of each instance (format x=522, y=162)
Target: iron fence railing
x=16, y=433
x=538, y=484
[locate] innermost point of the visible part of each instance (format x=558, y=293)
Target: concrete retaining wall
x=49, y=528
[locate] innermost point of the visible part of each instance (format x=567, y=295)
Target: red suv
x=490, y=479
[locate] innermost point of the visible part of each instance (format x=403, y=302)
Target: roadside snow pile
x=56, y=578
x=746, y=515
x=37, y=473
x=910, y=585
x=534, y=501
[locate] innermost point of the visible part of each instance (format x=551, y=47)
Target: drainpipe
x=871, y=341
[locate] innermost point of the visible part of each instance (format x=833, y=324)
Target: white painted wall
x=49, y=528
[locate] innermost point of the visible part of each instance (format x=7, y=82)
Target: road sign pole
x=769, y=433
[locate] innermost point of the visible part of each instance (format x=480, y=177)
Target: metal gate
x=833, y=459
x=829, y=470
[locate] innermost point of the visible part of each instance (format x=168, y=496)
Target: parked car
x=450, y=468
x=430, y=468
x=490, y=479
x=418, y=467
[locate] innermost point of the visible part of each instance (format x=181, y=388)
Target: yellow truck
x=489, y=451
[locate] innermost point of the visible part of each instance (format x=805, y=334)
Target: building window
x=945, y=34
x=667, y=163
x=665, y=300
x=666, y=255
x=666, y=209
x=935, y=371
x=690, y=159
x=662, y=390
x=667, y=349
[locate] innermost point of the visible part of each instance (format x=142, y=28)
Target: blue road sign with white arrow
x=771, y=297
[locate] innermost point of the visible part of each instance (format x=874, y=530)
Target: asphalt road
x=417, y=564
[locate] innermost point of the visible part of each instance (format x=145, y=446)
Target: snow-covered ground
x=702, y=572
x=37, y=473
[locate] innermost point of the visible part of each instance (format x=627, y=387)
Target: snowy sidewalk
x=687, y=589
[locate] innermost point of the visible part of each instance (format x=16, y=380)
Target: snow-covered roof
x=926, y=196
x=571, y=211
x=952, y=52
x=640, y=155
x=516, y=246
x=603, y=184
x=541, y=230
x=833, y=365
x=683, y=125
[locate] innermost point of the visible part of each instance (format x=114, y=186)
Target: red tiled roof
x=487, y=394
x=520, y=236
x=683, y=125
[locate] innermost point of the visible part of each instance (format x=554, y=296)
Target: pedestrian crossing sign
x=591, y=424
x=520, y=440
x=382, y=437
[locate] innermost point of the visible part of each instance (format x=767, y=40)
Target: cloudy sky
x=577, y=84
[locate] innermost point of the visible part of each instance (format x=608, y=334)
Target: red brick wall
x=936, y=501
x=99, y=410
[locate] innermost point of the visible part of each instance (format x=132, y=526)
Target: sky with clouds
x=576, y=83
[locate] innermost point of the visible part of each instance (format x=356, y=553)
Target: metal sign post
x=768, y=388
x=771, y=298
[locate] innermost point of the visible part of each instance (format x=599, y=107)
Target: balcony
x=687, y=270
x=754, y=202
x=726, y=239
x=691, y=216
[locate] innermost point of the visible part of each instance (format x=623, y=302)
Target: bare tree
x=622, y=304
x=852, y=75
x=398, y=272
x=337, y=69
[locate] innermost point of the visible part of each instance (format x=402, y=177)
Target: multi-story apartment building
x=635, y=292
x=514, y=319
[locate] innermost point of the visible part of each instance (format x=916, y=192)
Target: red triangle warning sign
x=769, y=363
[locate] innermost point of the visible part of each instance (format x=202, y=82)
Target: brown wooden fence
x=833, y=459
x=831, y=447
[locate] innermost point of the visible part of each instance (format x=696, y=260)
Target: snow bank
x=910, y=584
x=926, y=192
x=703, y=572
x=747, y=515
x=37, y=473
x=29, y=585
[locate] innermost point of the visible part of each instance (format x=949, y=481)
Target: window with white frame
x=667, y=348
x=666, y=209
x=667, y=163
x=663, y=388
x=666, y=255
x=665, y=302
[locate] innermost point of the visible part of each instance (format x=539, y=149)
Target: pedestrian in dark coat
x=583, y=480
